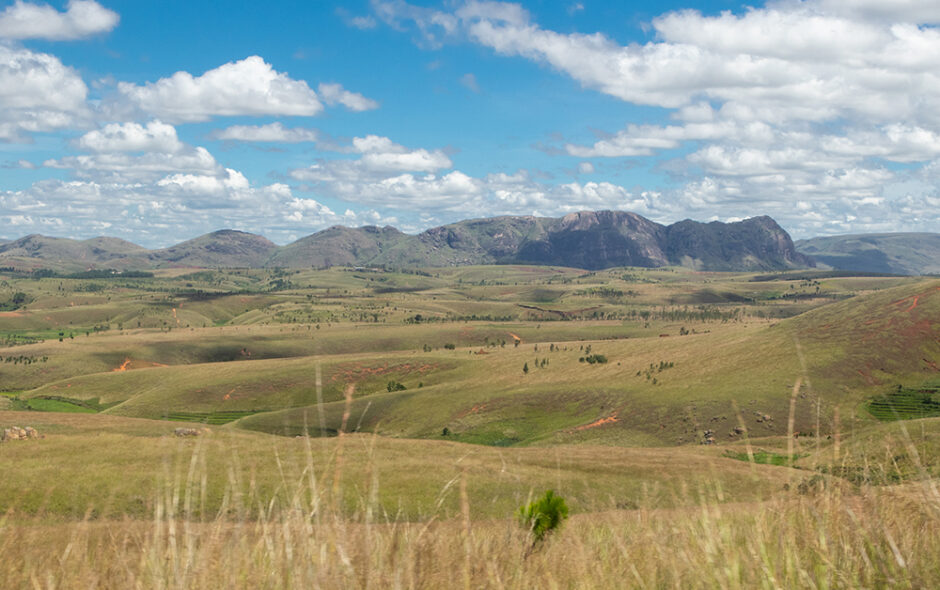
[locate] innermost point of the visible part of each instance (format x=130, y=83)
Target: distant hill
x=898, y=253
x=223, y=248
x=338, y=246
x=67, y=253
x=588, y=239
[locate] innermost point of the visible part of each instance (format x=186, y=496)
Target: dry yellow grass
x=832, y=538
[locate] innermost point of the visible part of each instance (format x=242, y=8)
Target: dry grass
x=837, y=537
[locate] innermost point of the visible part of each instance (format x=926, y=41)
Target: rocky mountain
x=587, y=239
x=897, y=253
x=753, y=244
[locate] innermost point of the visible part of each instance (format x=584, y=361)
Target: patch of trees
x=593, y=359
x=24, y=359
x=16, y=301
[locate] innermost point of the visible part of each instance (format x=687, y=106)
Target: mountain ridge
x=586, y=239
x=895, y=253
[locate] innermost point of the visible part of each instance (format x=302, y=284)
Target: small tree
x=543, y=515
x=525, y=368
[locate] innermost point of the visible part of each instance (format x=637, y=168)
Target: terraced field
x=907, y=404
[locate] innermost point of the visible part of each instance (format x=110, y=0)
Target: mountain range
x=589, y=239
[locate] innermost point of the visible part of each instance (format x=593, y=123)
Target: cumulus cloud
x=38, y=93
x=172, y=209
x=155, y=136
x=82, y=18
x=812, y=101
x=247, y=87
x=378, y=157
x=272, y=132
x=144, y=167
x=335, y=94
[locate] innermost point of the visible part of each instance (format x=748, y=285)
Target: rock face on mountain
x=601, y=239
x=588, y=239
x=904, y=254
x=757, y=243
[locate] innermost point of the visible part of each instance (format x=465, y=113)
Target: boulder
x=18, y=433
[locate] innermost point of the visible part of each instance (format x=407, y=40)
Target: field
x=374, y=428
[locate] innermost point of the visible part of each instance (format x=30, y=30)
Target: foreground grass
x=108, y=467
x=838, y=537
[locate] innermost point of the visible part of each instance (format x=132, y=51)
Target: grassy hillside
x=906, y=253
x=690, y=420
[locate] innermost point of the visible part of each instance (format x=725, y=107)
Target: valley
x=420, y=396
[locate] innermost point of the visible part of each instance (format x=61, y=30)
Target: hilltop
x=589, y=239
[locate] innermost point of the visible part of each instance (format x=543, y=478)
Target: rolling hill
x=898, y=253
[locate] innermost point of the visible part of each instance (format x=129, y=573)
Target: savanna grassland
x=367, y=428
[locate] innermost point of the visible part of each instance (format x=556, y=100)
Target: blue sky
x=160, y=121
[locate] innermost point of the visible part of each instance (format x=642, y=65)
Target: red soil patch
x=608, y=420
x=914, y=299
x=473, y=410
x=130, y=364
x=481, y=351
x=11, y=314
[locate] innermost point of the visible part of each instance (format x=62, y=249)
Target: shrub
x=450, y=346
x=543, y=515
x=395, y=386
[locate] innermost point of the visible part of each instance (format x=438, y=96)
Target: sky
x=158, y=121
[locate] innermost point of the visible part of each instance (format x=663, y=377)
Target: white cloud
x=363, y=22
x=83, y=18
x=272, y=132
x=170, y=210
x=378, y=158
x=811, y=101
x=121, y=167
x=155, y=136
x=908, y=11
x=38, y=93
x=247, y=87
x=469, y=81
x=585, y=168
x=335, y=94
